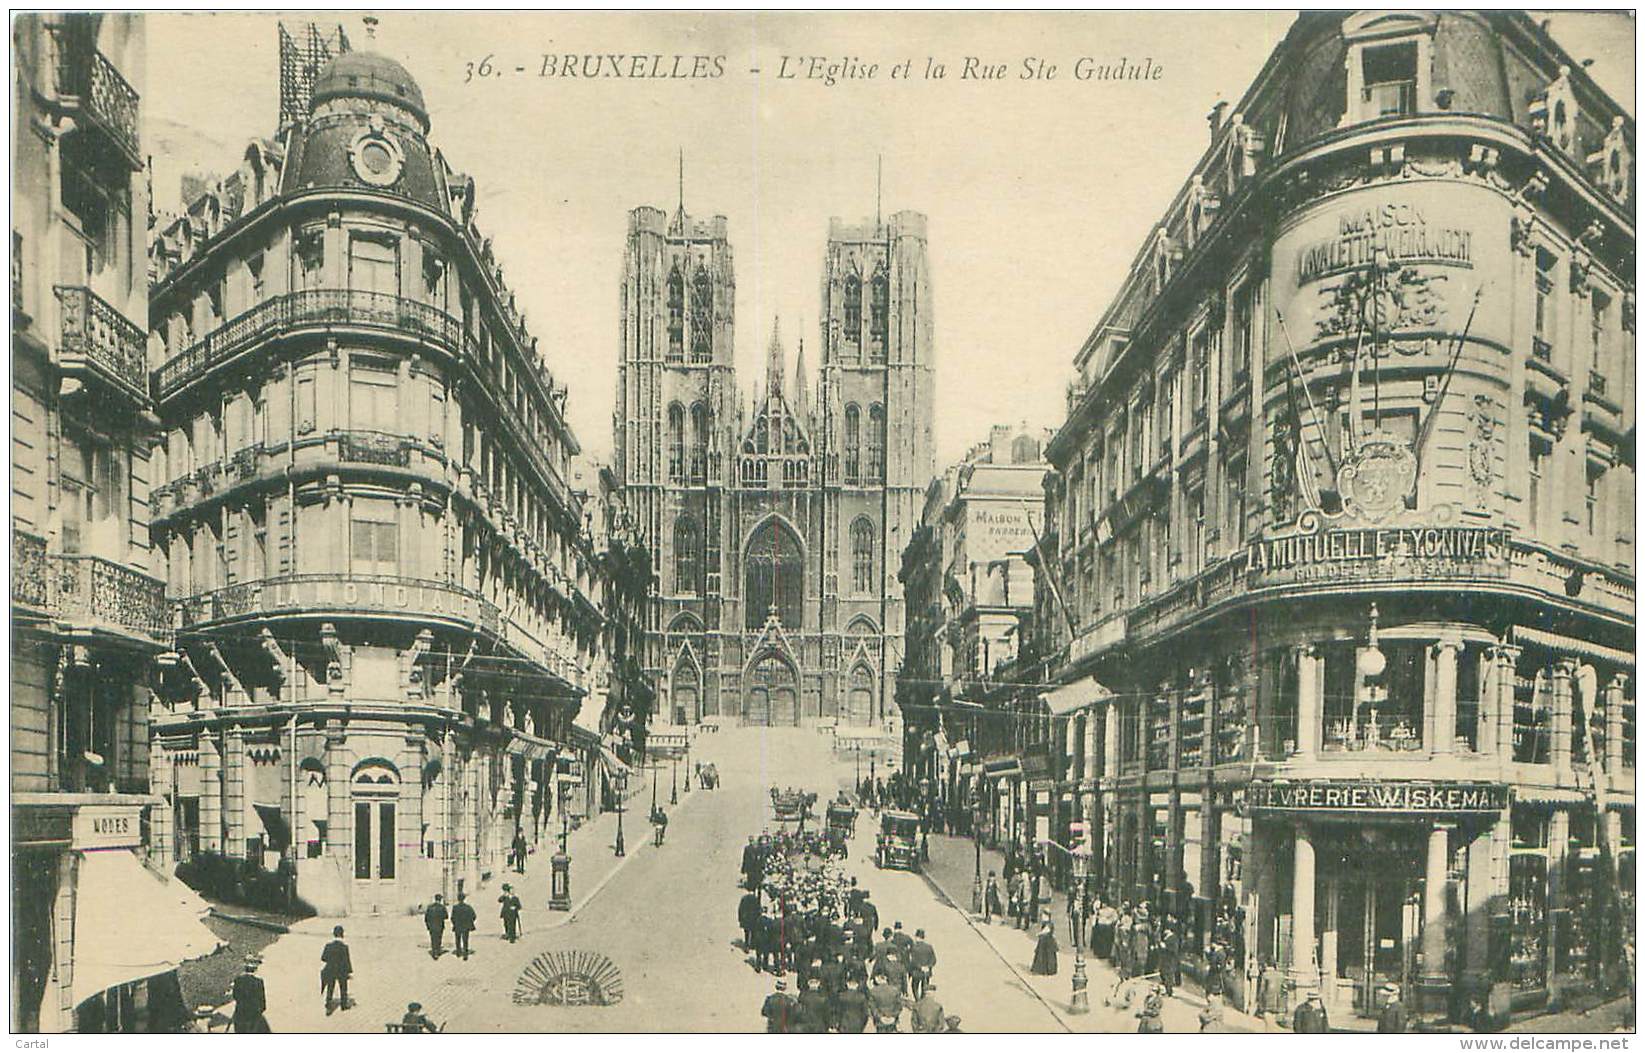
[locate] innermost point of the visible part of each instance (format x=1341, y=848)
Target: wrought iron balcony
x=95, y=592
x=343, y=594
x=309, y=308
x=89, y=81
x=94, y=337
x=28, y=570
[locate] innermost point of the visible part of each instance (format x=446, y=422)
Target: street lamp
x=688, y=758
x=976, y=843
x=1081, y=854
x=621, y=793
x=674, y=780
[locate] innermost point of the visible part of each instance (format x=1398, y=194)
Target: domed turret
x=362, y=74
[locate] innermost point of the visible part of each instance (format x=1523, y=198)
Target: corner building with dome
x=778, y=524
x=388, y=611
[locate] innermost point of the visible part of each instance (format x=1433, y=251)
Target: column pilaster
x=1304, y=968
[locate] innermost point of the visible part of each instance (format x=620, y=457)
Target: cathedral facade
x=778, y=522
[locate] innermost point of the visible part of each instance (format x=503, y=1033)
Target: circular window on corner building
x=376, y=159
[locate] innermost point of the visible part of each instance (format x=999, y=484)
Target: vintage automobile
x=790, y=806
x=898, y=843
x=842, y=826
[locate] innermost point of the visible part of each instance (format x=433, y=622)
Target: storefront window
x=1374, y=713
x=1159, y=730
x=1191, y=725
x=1533, y=715
x=1527, y=919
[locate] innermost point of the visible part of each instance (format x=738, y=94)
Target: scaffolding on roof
x=305, y=49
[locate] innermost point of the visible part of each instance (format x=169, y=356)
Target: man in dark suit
x=869, y=912
x=922, y=961
x=462, y=923
x=1169, y=959
x=1310, y=1018
x=748, y=917
x=779, y=1011
x=510, y=913
x=851, y=1015
x=903, y=941
x=434, y=919
x=519, y=852
x=812, y=1014
x=250, y=1001
x=335, y=969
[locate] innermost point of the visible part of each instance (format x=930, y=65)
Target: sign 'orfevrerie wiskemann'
x=1377, y=795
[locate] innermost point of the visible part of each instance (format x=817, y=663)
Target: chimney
x=1214, y=118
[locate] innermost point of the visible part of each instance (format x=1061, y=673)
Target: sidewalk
x=951, y=870
x=392, y=966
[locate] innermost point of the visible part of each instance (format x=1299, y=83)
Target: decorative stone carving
x=1482, y=429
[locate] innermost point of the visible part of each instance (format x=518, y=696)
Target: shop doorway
x=1378, y=923
x=376, y=793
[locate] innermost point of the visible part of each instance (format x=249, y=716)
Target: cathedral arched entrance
x=859, y=703
x=771, y=693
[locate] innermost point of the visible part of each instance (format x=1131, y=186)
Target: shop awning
x=614, y=767
x=999, y=769
x=1524, y=634
x=131, y=924
x=531, y=748
x=275, y=823
x=1078, y=695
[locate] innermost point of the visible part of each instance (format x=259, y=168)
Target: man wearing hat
x=928, y=1014
x=462, y=923
x=922, y=960
x=250, y=1001
x=813, y=1013
x=1310, y=1018
x=415, y=1023
x=335, y=969
x=434, y=920
x=1150, y=1021
x=851, y=1013
x=511, y=907
x=779, y=1011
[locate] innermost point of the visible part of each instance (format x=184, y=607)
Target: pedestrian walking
x=1310, y=1017
x=1045, y=948
x=885, y=1003
x=927, y=1015
x=250, y=1001
x=434, y=920
x=851, y=1015
x=779, y=1011
x=991, y=900
x=1211, y=1020
x=922, y=962
x=519, y=852
x=903, y=941
x=1270, y=992
x=1392, y=1019
x=335, y=969
x=748, y=917
x=510, y=907
x=462, y=923
x=1170, y=960
x=1150, y=1021
x=811, y=1014
x=765, y=944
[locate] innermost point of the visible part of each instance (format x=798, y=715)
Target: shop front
x=98, y=935
x=1392, y=886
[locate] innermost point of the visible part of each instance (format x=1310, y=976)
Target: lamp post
x=976, y=843
x=621, y=793
x=653, y=767
x=1081, y=1002
x=674, y=780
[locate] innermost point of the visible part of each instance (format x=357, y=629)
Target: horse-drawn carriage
x=791, y=806
x=841, y=819
x=898, y=843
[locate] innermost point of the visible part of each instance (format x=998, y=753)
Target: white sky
x=1038, y=192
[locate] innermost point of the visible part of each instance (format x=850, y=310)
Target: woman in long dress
x=1045, y=950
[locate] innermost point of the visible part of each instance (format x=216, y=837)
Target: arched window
x=699, y=442
x=774, y=576
x=702, y=316
x=676, y=443
x=376, y=788
x=853, y=316
x=862, y=555
x=676, y=315
x=876, y=443
x=687, y=556
x=879, y=319
x=853, y=445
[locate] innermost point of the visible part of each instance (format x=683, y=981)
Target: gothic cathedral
x=778, y=524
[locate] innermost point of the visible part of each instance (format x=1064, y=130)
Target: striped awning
x=1078, y=695
x=1524, y=634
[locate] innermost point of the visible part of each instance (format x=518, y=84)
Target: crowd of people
x=801, y=916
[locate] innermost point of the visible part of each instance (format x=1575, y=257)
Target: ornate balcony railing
x=342, y=593
x=17, y=307
x=86, y=76
x=100, y=592
x=28, y=570
x=298, y=310
x=94, y=335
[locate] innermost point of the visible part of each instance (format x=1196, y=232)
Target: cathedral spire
x=774, y=362
x=678, y=225
x=802, y=388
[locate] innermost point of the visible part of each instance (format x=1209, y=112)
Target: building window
x=774, y=576
x=311, y=259
x=256, y=288
x=1542, y=335
x=699, y=442
x=676, y=315
x=876, y=443
x=375, y=540
x=853, y=316
x=853, y=445
x=676, y=443
x=374, y=394
x=1390, y=80
x=1533, y=494
x=1244, y=332
x=687, y=556
x=434, y=276
x=1234, y=510
x=702, y=316
x=879, y=323
x=862, y=556
x=374, y=264
x=1202, y=373
x=96, y=498
x=1591, y=503
x=1598, y=324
